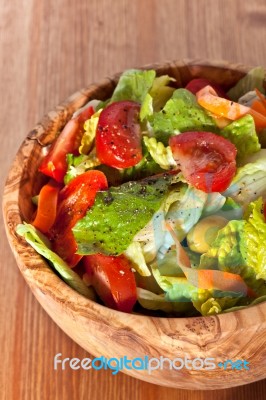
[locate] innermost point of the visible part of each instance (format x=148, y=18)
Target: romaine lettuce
x=90, y=127
x=181, y=113
x=119, y=213
x=242, y=134
x=158, y=95
x=239, y=248
x=77, y=165
x=253, y=79
x=161, y=154
x=133, y=85
x=249, y=183
x=134, y=254
x=41, y=244
x=152, y=301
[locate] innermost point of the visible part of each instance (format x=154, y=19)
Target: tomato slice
x=206, y=160
x=199, y=83
x=47, y=205
x=74, y=200
x=113, y=280
x=118, y=135
x=54, y=163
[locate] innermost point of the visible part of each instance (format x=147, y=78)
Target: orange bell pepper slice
x=47, y=205
x=208, y=99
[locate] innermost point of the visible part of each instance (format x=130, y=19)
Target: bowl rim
x=23, y=251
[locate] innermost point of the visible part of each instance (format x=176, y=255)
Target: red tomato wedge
x=47, y=205
x=199, y=83
x=208, y=99
x=207, y=161
x=74, y=200
x=113, y=280
x=54, y=163
x=118, y=135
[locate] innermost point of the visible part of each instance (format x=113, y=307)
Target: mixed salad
x=155, y=198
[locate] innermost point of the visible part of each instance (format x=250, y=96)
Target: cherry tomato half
x=206, y=160
x=54, y=163
x=74, y=200
x=118, y=135
x=113, y=280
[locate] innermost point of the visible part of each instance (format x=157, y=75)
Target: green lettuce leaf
x=158, y=95
x=182, y=208
x=133, y=85
x=207, y=302
x=249, y=183
x=77, y=165
x=242, y=134
x=152, y=301
x=216, y=305
x=239, y=248
x=187, y=206
x=88, y=137
x=41, y=244
x=230, y=210
x=254, y=236
x=146, y=167
x=181, y=113
x=134, y=254
x=253, y=79
x=162, y=155
x=119, y=213
x=245, y=303
x=226, y=249
x=146, y=108
x=161, y=92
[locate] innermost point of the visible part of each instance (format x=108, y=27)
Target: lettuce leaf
x=158, y=95
x=249, y=183
x=216, y=305
x=239, y=248
x=254, y=236
x=133, y=85
x=152, y=301
x=146, y=108
x=242, y=134
x=41, y=244
x=146, y=167
x=207, y=302
x=253, y=79
x=77, y=165
x=119, y=213
x=190, y=205
x=88, y=137
x=161, y=92
x=181, y=113
x=162, y=155
x=230, y=210
x=134, y=254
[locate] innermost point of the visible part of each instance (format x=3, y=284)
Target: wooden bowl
x=239, y=335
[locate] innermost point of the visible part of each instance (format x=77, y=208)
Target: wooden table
x=49, y=49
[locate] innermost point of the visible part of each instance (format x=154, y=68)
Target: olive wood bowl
x=103, y=331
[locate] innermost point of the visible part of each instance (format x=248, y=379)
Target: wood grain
x=48, y=50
